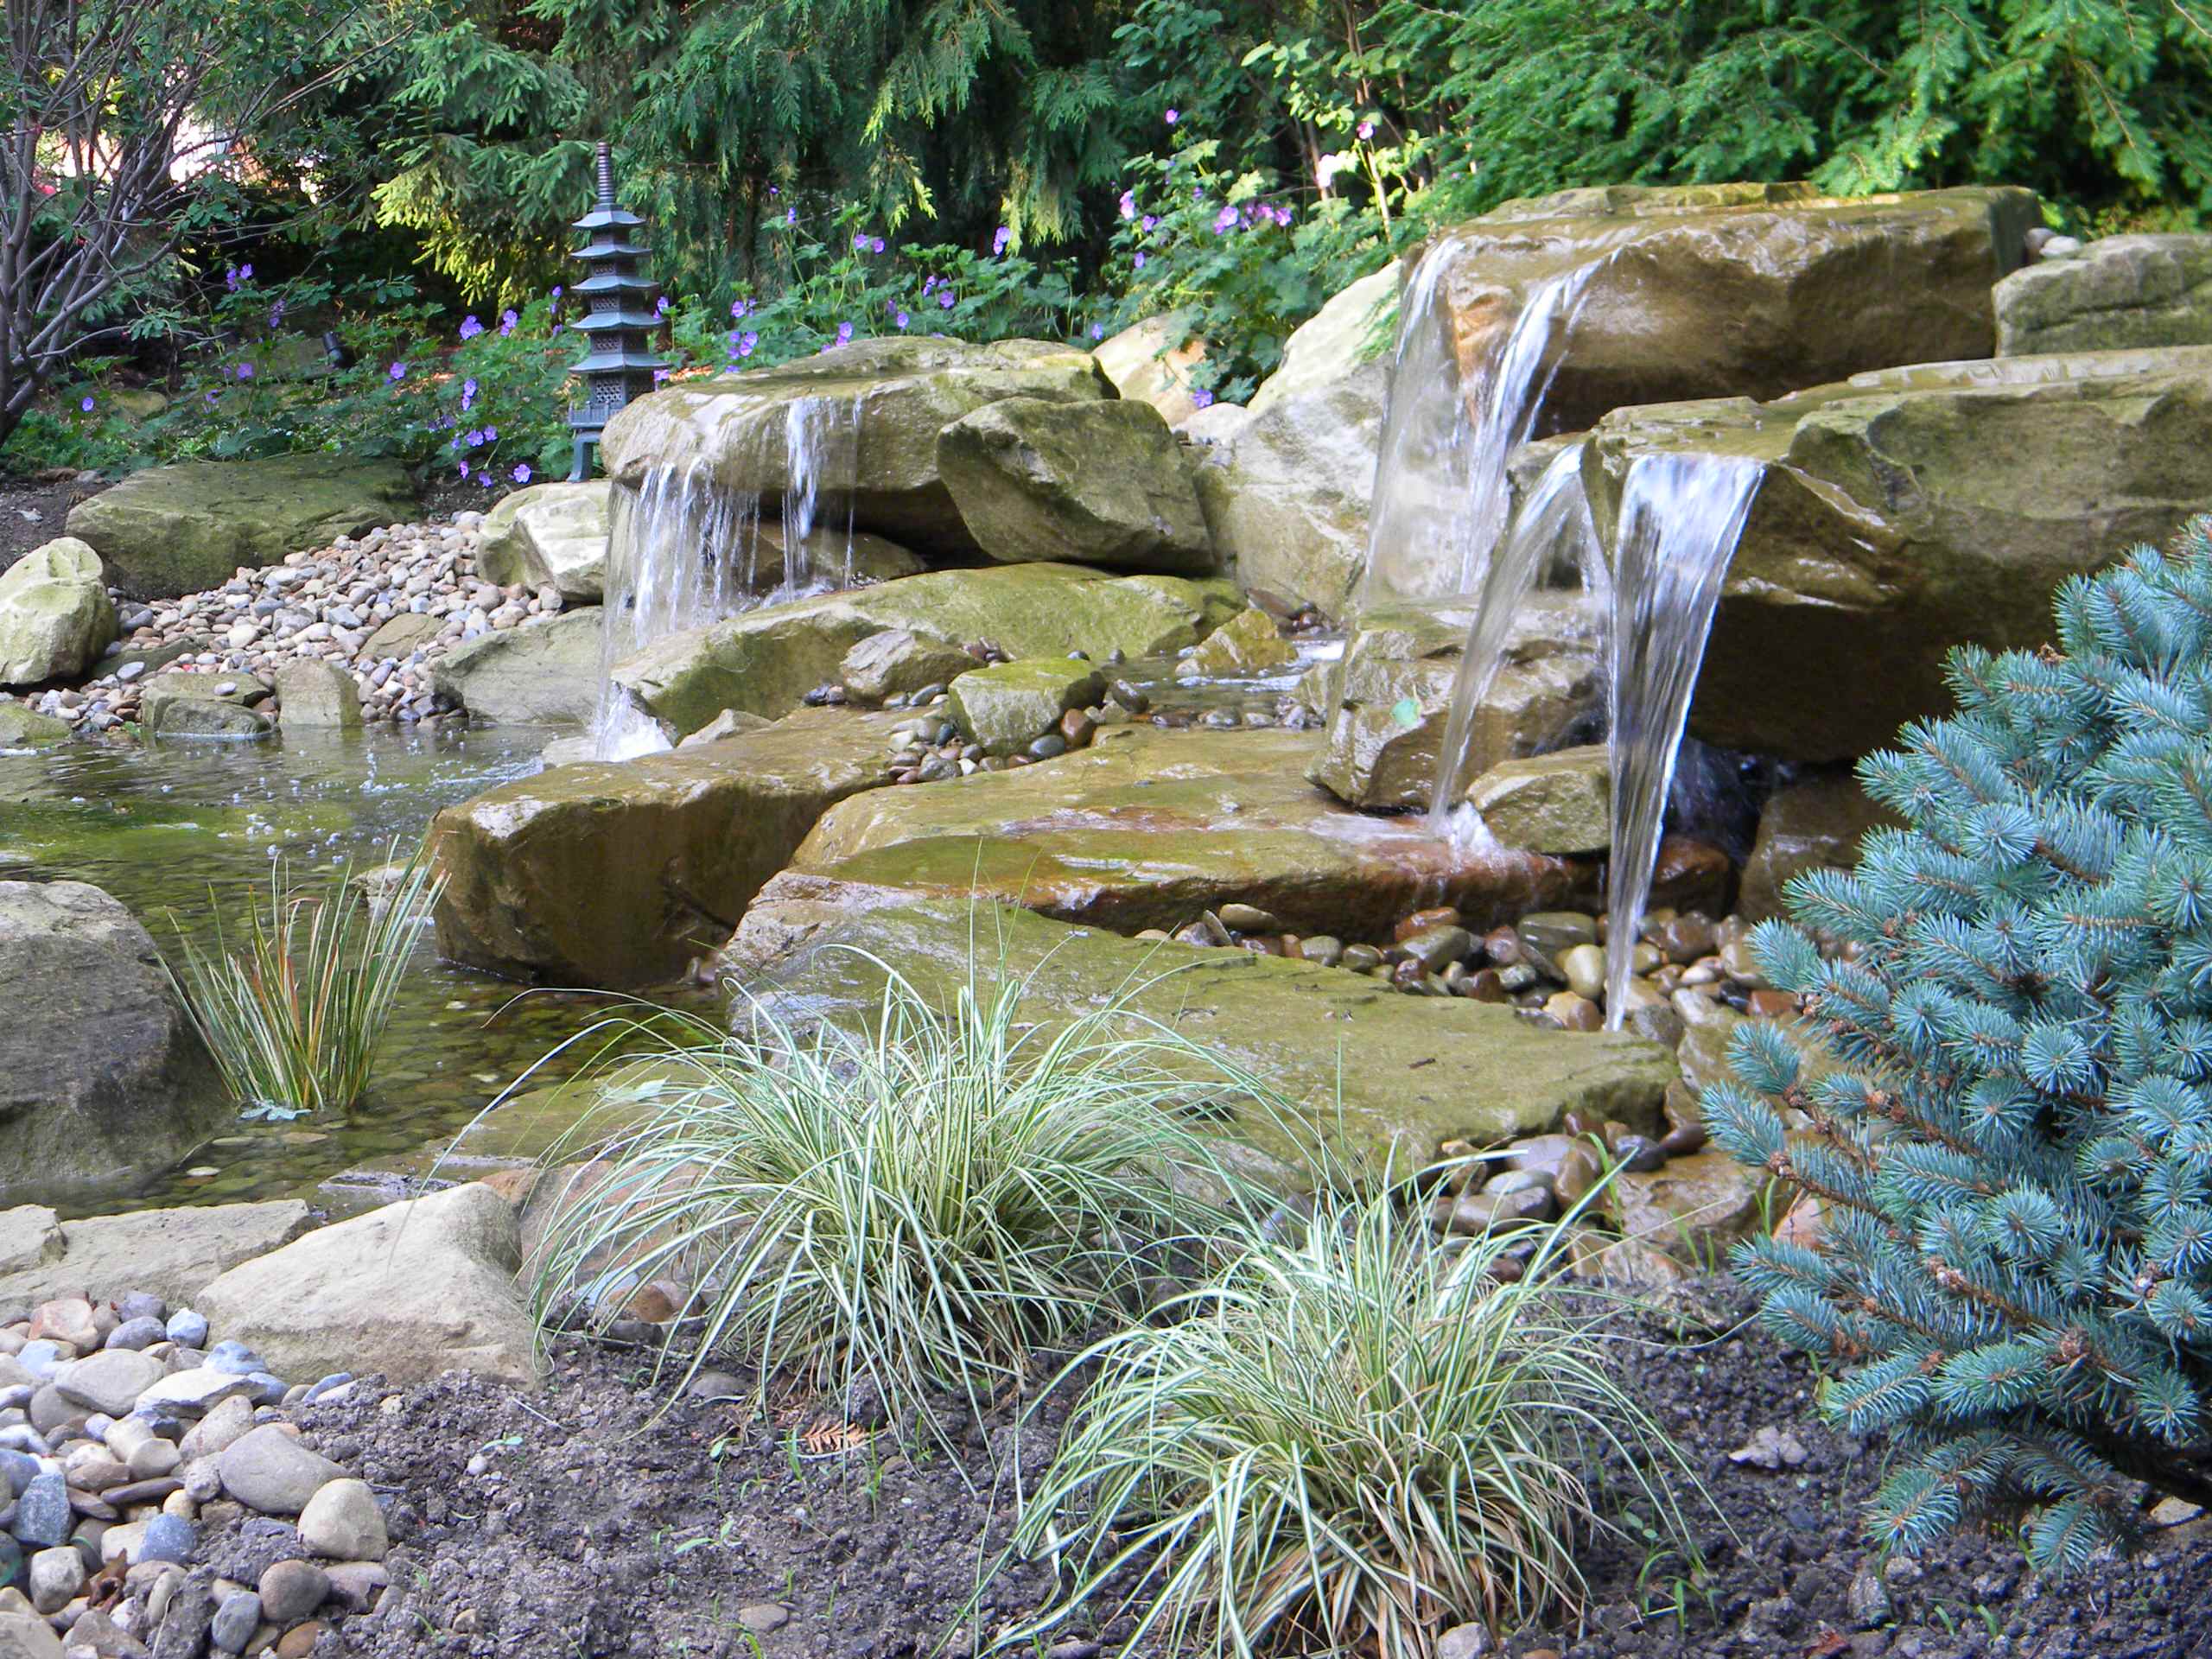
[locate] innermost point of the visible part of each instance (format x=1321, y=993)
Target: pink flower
x=1366, y=129
x=1128, y=204
x=1174, y=116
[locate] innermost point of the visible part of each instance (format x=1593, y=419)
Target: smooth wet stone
x=1413, y=1072
x=1583, y=966
x=1433, y=947
x=1556, y=803
x=1148, y=828
x=1008, y=705
x=1574, y=1013
x=1816, y=821
x=1545, y=936
x=1321, y=949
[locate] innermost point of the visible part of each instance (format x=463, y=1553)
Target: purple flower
x=738, y=308
x=927, y=286
x=1139, y=260
x=87, y=404
x=901, y=319
x=464, y=472
x=945, y=301
x=508, y=321
x=1128, y=204
x=1098, y=331
x=845, y=334
x=659, y=375
x=396, y=371
x=1225, y=220
x=1151, y=221
x=1174, y=116
x=491, y=435
x=790, y=215
x=521, y=474
x=860, y=244
x=745, y=346
x=999, y=241
x=467, y=395
x=474, y=438
x=556, y=291
x=470, y=327
x=246, y=273
x=1202, y=398
x=277, y=315
x=660, y=306
x=246, y=371
x=455, y=444
x=877, y=244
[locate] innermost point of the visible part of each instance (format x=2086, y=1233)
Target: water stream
x=1681, y=516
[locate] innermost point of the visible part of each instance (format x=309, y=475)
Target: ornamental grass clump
x=924, y=1205
x=293, y=1012
x=2013, y=1150
x=1347, y=1442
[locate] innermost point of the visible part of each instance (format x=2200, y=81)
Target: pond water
x=182, y=834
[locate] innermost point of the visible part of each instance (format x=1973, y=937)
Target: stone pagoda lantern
x=620, y=316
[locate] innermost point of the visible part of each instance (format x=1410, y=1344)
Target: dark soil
x=33, y=509
x=590, y=1529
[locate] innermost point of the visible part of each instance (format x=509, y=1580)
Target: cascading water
x=1442, y=497
x=684, y=550
x=1681, y=516
x=1552, y=522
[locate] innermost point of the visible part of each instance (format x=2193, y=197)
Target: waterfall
x=684, y=550
x=1442, y=497
x=1681, y=516
x=1553, y=520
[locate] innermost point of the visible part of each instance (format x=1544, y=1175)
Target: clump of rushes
x=923, y=1205
x=1346, y=1443
x=293, y=1012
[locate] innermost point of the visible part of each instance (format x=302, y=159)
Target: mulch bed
x=573, y=1522
x=33, y=509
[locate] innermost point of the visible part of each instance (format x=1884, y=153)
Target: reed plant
x=1347, y=1442
x=293, y=1011
x=930, y=1202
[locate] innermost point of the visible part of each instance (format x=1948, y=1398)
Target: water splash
x=1681, y=516
x=684, y=550
x=1552, y=525
x=1442, y=495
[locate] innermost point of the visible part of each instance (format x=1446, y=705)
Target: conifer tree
x=2010, y=1132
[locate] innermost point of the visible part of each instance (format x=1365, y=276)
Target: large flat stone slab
x=619, y=874
x=872, y=411
x=2116, y=293
x=543, y=673
x=765, y=661
x=1377, y=1074
x=181, y=528
x=1147, y=828
x=174, y=1253
x=1916, y=509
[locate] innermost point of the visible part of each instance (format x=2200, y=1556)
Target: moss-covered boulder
x=543, y=673
x=21, y=728
x=1388, y=702
x=1148, y=828
x=2117, y=292
x=765, y=661
x=1902, y=512
x=55, y=616
x=1378, y=1076
x=873, y=410
x=1008, y=705
x=618, y=874
x=181, y=529
x=1087, y=482
x=1248, y=644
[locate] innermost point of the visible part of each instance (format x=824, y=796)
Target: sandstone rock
x=1248, y=643
x=1005, y=706
x=1388, y=702
x=170, y=1252
x=1217, y=423
x=899, y=661
x=1816, y=821
x=55, y=616
x=267, y=1469
x=877, y=407
x=102, y=1080
x=1088, y=483
x=1389, y=1075
x=1556, y=803
x=543, y=673
x=1148, y=828
x=766, y=660
x=403, y=636
x=409, y=1290
x=547, y=534
x=20, y=729
x=181, y=529
x=1926, y=506
x=187, y=719
x=1150, y=362
x=728, y=723
x=1351, y=330
x=1286, y=500
x=2117, y=291
x=619, y=875
x=109, y=1381
x=318, y=694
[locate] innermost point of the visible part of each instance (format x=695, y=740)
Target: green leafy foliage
x=2014, y=1147
x=1346, y=1441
